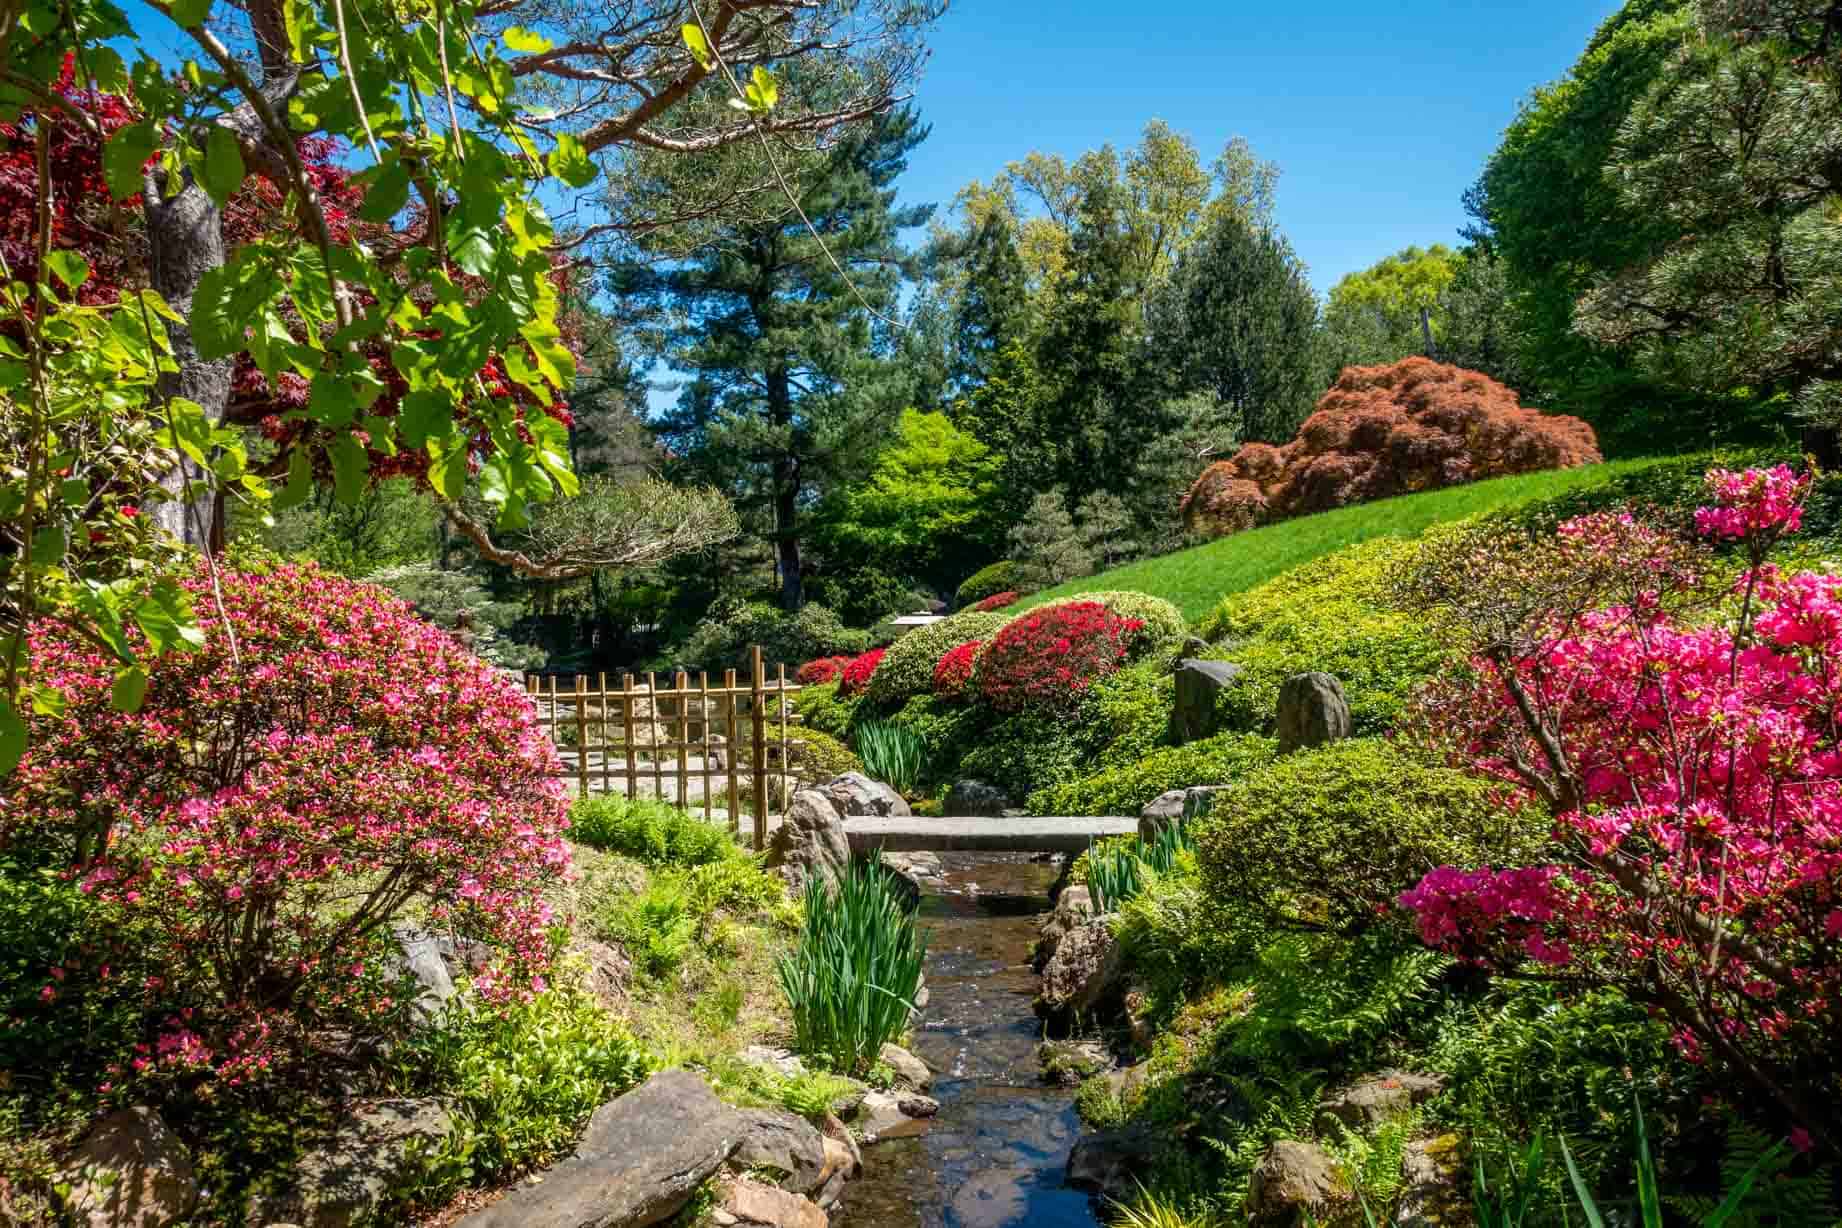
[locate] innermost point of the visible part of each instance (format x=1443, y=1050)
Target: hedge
x=1129, y=789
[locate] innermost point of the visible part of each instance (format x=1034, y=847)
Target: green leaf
x=124, y=156
x=129, y=690
x=167, y=620
x=700, y=47
x=1736, y=1197
x=71, y=268
x=763, y=90
x=330, y=401
x=299, y=19
x=350, y=466
x=388, y=194
x=422, y=416
x=300, y=481
x=190, y=428
x=1649, y=1196
x=12, y=736
x=190, y=13
x=520, y=39
x=448, y=468
x=1587, y=1205
x=570, y=162
x=223, y=164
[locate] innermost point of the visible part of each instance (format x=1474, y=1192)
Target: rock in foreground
x=640, y=1161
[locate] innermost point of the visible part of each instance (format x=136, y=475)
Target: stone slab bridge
x=915, y=834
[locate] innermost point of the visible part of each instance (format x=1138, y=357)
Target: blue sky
x=1379, y=112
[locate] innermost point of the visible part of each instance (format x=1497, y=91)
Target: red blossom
x=1049, y=657
x=854, y=678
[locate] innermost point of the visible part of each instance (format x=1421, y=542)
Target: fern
x=1775, y=1196
x=1307, y=1005
x=1278, y=1106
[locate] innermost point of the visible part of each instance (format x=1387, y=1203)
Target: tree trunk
x=1426, y=333
x=185, y=239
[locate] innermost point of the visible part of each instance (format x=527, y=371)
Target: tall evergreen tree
x=793, y=377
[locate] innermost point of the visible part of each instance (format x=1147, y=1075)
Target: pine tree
x=1045, y=545
x=794, y=377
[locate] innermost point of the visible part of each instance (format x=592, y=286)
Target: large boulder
x=1198, y=684
x=1176, y=806
x=751, y=1204
x=1083, y=975
x=856, y=795
x=1115, y=1163
x=342, y=1177
x=421, y=959
x=1294, y=1180
x=130, y=1171
x=975, y=799
x=785, y=1145
x=1371, y=1101
x=810, y=841
x=642, y=1157
x=1311, y=712
x=1074, y=907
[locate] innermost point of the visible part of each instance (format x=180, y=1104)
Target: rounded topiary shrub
x=1328, y=838
x=1001, y=576
x=855, y=678
x=953, y=674
x=321, y=763
x=821, y=671
x=1160, y=622
x=907, y=667
x=1048, y=658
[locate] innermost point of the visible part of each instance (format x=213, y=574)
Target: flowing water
x=995, y=1155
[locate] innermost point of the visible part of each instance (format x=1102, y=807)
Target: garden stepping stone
x=642, y=1157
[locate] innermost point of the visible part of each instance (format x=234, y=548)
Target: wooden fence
x=725, y=737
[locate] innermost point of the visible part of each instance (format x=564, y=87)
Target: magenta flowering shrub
x=323, y=763
x=1694, y=769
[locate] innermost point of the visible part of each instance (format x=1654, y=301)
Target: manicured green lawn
x=1195, y=579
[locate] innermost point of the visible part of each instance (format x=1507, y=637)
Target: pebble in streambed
x=995, y=1155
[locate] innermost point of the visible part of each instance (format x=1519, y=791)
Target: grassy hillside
x=1195, y=579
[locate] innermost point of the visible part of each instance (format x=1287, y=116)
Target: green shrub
x=822, y=708
x=1119, y=871
x=1173, y=938
x=892, y=753
x=649, y=831
x=1333, y=614
x=907, y=668
x=524, y=1080
x=724, y=637
x=1129, y=789
x=1131, y=713
x=1003, y=576
x=851, y=980
x=1027, y=751
x=824, y=754
x=1164, y=623
x=1326, y=838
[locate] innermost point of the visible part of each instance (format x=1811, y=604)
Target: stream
x=995, y=1155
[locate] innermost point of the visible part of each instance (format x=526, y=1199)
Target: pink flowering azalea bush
x=1048, y=658
x=324, y=764
x=1692, y=759
x=854, y=678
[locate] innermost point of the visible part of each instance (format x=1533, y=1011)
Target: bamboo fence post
x=629, y=751
x=658, y=779
x=758, y=716
x=582, y=733
x=703, y=712
x=780, y=708
x=606, y=748
x=682, y=685
x=734, y=745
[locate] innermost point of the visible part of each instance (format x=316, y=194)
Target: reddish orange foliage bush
x=1390, y=430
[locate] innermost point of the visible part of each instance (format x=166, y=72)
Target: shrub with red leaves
x=1047, y=658
x=1390, y=430
x=323, y=763
x=855, y=677
x=997, y=601
x=821, y=671
x=953, y=672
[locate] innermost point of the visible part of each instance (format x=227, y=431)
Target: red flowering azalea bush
x=998, y=601
x=1693, y=766
x=953, y=673
x=1048, y=658
x=854, y=679
x=821, y=671
x=322, y=763
x=1388, y=430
